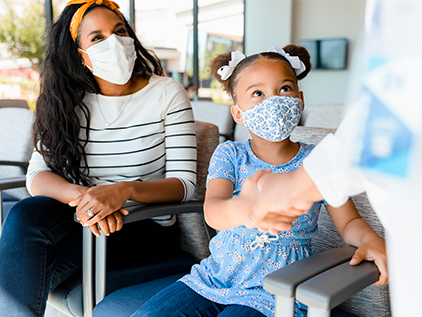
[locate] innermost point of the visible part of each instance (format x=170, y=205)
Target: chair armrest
x=15, y=163
x=283, y=282
x=94, y=278
x=138, y=211
x=332, y=287
x=9, y=183
x=141, y=211
x=12, y=182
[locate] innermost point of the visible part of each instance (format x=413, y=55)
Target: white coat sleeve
x=330, y=164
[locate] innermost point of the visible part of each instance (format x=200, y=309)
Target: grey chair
x=15, y=149
x=216, y=113
x=13, y=103
x=79, y=297
x=326, y=281
x=241, y=133
x=322, y=116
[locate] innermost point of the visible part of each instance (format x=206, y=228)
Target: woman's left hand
x=109, y=224
x=373, y=250
x=103, y=201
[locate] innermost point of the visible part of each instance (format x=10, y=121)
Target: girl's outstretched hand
x=275, y=207
x=373, y=250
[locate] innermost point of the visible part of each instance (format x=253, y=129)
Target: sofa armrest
x=283, y=282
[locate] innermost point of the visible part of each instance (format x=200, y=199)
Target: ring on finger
x=90, y=213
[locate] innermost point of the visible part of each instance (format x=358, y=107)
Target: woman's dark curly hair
x=63, y=84
x=229, y=85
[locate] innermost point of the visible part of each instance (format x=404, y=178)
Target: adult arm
x=41, y=181
x=331, y=163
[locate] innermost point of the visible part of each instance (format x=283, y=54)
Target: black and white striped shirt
x=153, y=138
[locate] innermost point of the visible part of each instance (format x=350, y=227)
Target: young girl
x=264, y=88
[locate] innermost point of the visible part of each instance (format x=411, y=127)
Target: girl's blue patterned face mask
x=273, y=119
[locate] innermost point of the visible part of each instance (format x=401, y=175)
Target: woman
x=109, y=128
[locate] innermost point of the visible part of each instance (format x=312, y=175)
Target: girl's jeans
x=179, y=300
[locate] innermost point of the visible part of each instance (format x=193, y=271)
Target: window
x=22, y=47
x=166, y=27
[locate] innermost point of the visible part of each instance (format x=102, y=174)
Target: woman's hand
x=76, y=192
x=373, y=249
x=110, y=224
x=105, y=202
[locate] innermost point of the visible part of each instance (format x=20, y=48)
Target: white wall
x=316, y=19
x=267, y=23
x=281, y=22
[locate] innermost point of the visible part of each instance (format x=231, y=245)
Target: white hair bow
x=295, y=61
x=226, y=71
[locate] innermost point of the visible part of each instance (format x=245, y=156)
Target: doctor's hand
x=260, y=216
x=282, y=197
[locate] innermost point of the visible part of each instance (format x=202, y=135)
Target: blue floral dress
x=239, y=261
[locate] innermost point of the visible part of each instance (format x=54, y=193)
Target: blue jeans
x=179, y=300
x=41, y=246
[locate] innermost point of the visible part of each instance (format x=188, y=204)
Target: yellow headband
x=77, y=17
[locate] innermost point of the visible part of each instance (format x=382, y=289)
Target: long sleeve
x=330, y=164
x=180, y=139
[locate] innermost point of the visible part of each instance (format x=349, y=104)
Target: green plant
x=23, y=29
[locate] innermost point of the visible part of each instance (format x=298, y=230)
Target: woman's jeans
x=41, y=246
x=179, y=300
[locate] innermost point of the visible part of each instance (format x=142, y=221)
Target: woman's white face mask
x=113, y=59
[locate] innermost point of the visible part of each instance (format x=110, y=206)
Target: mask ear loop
x=85, y=65
x=241, y=111
x=241, y=114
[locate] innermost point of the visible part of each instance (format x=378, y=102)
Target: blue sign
x=387, y=142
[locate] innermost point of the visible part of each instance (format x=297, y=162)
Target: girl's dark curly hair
x=63, y=84
x=229, y=85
